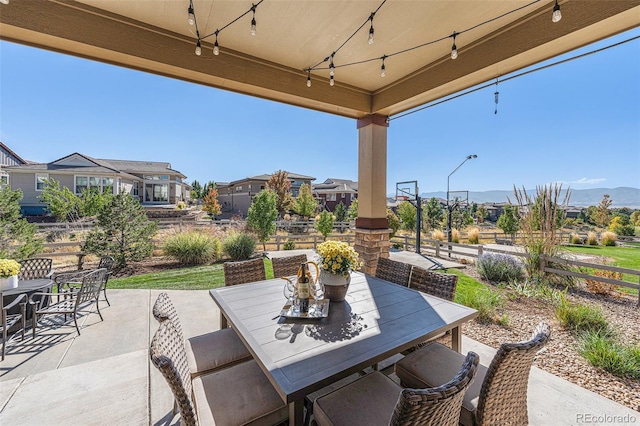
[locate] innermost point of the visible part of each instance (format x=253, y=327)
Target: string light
x=371, y=30
x=383, y=69
x=557, y=15
x=308, y=78
x=496, y=97
x=192, y=17
x=332, y=68
x=253, y=20
x=4, y=1
x=331, y=81
x=454, y=49
x=216, y=47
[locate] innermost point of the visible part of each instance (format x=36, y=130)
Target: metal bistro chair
x=499, y=395
x=237, y=395
x=106, y=262
x=375, y=399
x=9, y=320
x=287, y=266
x=70, y=301
x=207, y=352
x=244, y=271
x=394, y=271
x=35, y=268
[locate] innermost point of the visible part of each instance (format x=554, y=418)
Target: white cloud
x=588, y=181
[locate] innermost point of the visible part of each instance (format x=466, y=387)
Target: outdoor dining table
x=378, y=319
x=27, y=287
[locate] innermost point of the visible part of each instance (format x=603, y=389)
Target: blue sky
x=576, y=123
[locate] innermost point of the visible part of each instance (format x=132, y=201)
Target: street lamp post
x=449, y=208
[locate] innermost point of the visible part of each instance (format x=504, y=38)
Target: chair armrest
x=35, y=302
x=50, y=274
x=15, y=302
x=75, y=276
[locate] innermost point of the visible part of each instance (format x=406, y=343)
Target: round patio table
x=27, y=287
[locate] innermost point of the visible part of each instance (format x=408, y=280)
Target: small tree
x=210, y=202
x=433, y=214
x=63, y=204
x=602, y=215
x=353, y=209
x=508, y=221
x=262, y=215
x=305, y=205
x=196, y=190
x=91, y=202
x=394, y=222
x=408, y=214
x=123, y=231
x=340, y=212
x=324, y=224
x=481, y=213
x=279, y=183
x=17, y=236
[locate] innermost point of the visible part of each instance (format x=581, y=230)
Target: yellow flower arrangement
x=8, y=268
x=337, y=257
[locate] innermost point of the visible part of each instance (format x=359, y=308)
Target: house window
x=331, y=197
x=4, y=179
x=343, y=195
x=353, y=196
x=238, y=188
x=107, y=185
x=94, y=183
x=135, y=190
x=41, y=179
x=156, y=177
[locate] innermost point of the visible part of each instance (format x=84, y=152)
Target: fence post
x=543, y=263
x=278, y=242
x=406, y=243
x=315, y=242
x=480, y=249
x=437, y=245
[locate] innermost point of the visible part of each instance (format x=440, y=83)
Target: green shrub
x=192, y=248
x=499, y=268
x=239, y=246
x=181, y=205
x=290, y=245
x=581, y=318
x=604, y=352
x=483, y=301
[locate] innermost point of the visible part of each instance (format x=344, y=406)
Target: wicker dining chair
x=394, y=271
x=237, y=395
x=9, y=320
x=434, y=283
x=244, y=271
x=287, y=266
x=375, y=399
x=499, y=395
x=206, y=352
x=35, y=268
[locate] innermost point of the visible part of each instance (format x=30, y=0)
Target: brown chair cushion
x=435, y=364
x=214, y=350
x=238, y=395
x=375, y=395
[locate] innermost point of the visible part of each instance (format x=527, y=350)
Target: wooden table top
x=377, y=320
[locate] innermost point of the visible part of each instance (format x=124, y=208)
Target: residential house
x=8, y=158
x=332, y=192
x=235, y=197
x=154, y=183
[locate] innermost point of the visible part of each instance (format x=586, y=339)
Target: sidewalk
x=104, y=376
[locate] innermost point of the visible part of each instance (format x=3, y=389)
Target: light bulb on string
x=383, y=69
x=371, y=30
x=332, y=68
x=216, y=48
x=198, y=49
x=495, y=95
x=4, y=1
x=331, y=81
x=192, y=17
x=309, y=78
x=454, y=48
x=253, y=20
x=557, y=15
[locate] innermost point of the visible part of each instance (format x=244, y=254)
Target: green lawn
x=188, y=278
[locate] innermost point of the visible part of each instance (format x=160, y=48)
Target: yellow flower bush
x=8, y=268
x=337, y=257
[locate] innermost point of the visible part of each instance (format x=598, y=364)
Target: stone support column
x=372, y=227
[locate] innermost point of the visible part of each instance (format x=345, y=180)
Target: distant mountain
x=620, y=197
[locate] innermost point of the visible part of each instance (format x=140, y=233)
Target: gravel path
x=561, y=357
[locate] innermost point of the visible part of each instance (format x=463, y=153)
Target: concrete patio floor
x=104, y=377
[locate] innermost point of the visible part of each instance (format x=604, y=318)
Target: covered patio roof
x=494, y=38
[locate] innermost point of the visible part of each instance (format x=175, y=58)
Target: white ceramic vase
x=8, y=283
x=335, y=285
